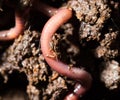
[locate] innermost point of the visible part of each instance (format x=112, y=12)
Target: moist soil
x=89, y=40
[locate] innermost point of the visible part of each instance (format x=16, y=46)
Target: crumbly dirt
x=89, y=40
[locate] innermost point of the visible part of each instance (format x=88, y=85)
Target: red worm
x=81, y=76
x=15, y=31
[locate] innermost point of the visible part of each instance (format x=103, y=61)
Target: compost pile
x=91, y=39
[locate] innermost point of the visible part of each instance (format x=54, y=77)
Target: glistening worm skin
x=15, y=31
x=81, y=76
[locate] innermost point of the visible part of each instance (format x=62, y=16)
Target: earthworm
x=82, y=77
x=44, y=8
x=13, y=32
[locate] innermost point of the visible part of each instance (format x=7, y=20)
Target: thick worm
x=80, y=75
x=15, y=31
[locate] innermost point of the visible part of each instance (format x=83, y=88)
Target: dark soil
x=90, y=40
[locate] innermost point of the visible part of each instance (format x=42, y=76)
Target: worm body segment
x=80, y=75
x=15, y=31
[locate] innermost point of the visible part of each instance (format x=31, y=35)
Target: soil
x=89, y=40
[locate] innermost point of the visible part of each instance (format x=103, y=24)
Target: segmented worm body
x=80, y=75
x=59, y=16
x=14, y=31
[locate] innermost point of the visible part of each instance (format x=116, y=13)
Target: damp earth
x=90, y=39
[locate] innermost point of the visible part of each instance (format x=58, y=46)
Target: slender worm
x=81, y=76
x=15, y=31
x=19, y=20
x=61, y=16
